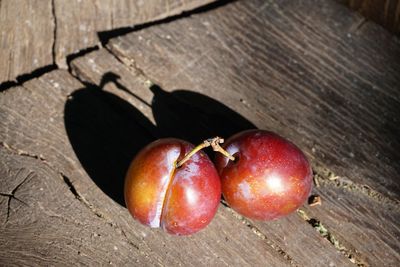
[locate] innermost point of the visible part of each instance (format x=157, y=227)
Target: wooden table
x=312, y=71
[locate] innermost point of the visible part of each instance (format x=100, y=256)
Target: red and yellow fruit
x=181, y=200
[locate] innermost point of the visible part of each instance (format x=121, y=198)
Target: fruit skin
x=269, y=178
x=180, y=200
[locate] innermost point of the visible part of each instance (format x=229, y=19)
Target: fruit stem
x=214, y=143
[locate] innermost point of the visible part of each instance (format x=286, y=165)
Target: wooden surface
x=330, y=87
x=79, y=20
x=24, y=48
x=386, y=13
x=36, y=34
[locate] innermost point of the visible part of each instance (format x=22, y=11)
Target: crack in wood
x=67, y=181
x=327, y=177
x=105, y=36
x=130, y=63
x=12, y=194
x=20, y=79
x=53, y=48
x=328, y=235
x=79, y=197
x=261, y=235
x=21, y=152
x=78, y=54
x=86, y=203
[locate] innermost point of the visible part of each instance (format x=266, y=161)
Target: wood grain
x=78, y=22
x=327, y=86
x=34, y=35
x=293, y=235
x=365, y=226
x=24, y=48
x=56, y=113
x=43, y=223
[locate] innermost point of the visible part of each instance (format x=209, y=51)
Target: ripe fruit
x=269, y=178
x=181, y=200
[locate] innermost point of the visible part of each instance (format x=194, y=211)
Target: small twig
x=217, y=148
x=214, y=143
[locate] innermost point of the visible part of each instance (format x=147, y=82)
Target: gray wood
x=41, y=128
x=312, y=75
x=43, y=223
x=365, y=224
x=311, y=71
x=24, y=48
x=37, y=34
x=78, y=22
x=294, y=237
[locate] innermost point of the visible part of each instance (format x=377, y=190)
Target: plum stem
x=214, y=143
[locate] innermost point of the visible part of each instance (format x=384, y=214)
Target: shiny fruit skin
x=180, y=200
x=269, y=178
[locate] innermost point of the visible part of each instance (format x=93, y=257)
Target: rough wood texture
x=386, y=13
x=365, y=226
x=56, y=113
x=300, y=243
x=36, y=34
x=43, y=223
x=310, y=70
x=328, y=86
x=78, y=22
x=23, y=47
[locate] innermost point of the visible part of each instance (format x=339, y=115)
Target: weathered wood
x=293, y=235
x=309, y=74
x=109, y=133
x=36, y=35
x=386, y=13
x=364, y=224
x=23, y=47
x=43, y=223
x=328, y=86
x=78, y=22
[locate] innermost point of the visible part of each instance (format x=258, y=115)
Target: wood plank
x=78, y=22
x=66, y=27
x=43, y=223
x=365, y=225
x=81, y=131
x=309, y=74
x=24, y=48
x=293, y=235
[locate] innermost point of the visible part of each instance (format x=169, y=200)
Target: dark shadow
x=193, y=116
x=105, y=132
x=20, y=79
